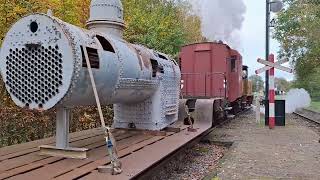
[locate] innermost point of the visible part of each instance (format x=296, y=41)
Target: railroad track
x=309, y=115
x=149, y=173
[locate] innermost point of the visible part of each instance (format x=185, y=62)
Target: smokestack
x=106, y=16
x=221, y=19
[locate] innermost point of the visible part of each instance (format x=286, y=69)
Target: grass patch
x=315, y=106
x=202, y=150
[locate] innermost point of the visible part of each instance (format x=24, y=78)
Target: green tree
x=257, y=83
x=159, y=24
x=298, y=32
x=282, y=84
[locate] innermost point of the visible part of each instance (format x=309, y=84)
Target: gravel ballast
x=193, y=163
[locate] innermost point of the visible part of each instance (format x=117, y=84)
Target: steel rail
x=306, y=117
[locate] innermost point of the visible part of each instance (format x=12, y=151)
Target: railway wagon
x=212, y=70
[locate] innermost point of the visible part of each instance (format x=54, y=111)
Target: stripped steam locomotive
x=43, y=65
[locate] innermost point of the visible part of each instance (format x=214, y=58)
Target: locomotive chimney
x=106, y=16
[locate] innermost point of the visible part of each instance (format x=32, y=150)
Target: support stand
x=62, y=148
x=257, y=99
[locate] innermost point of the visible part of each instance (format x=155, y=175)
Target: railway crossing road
x=271, y=66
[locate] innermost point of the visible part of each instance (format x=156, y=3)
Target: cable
x=110, y=141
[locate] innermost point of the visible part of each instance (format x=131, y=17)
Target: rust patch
x=145, y=56
x=146, y=59
x=140, y=58
x=174, y=70
x=132, y=48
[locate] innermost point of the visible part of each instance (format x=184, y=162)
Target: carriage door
x=202, y=66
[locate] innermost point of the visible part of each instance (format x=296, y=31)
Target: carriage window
x=244, y=72
x=233, y=63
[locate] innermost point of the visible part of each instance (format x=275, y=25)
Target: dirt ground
x=291, y=152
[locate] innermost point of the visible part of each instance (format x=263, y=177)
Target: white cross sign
x=270, y=65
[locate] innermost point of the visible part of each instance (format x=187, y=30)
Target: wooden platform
x=138, y=151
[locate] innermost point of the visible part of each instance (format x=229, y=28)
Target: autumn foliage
x=164, y=25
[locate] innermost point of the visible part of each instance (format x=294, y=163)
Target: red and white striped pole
x=271, y=95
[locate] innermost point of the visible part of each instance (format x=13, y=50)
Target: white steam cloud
x=296, y=99
x=221, y=19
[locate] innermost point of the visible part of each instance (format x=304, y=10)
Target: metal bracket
x=62, y=148
x=172, y=129
x=109, y=170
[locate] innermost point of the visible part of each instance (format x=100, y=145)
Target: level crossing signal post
x=270, y=66
x=271, y=6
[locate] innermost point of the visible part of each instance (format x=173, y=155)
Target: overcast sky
x=253, y=37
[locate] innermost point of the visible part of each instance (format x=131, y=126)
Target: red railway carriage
x=212, y=70
x=234, y=75
x=203, y=73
